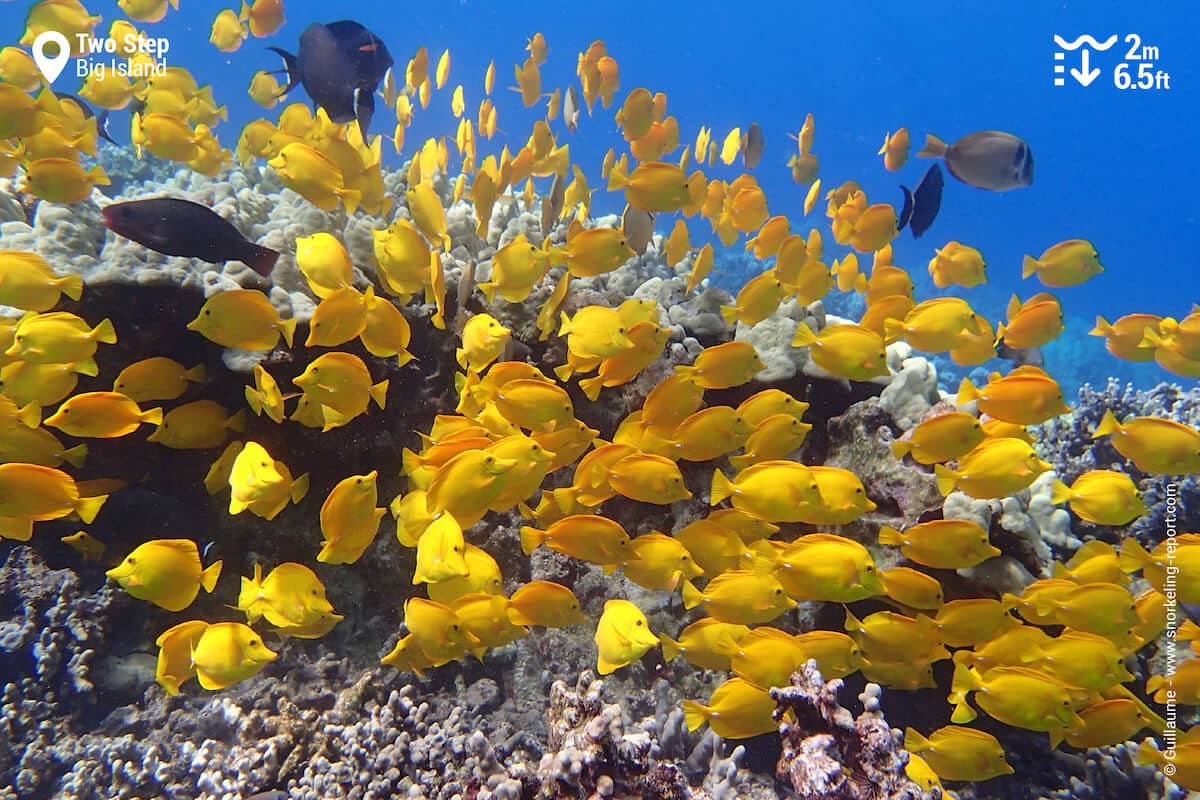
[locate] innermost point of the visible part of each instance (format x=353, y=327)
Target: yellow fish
x=349, y=519
x=895, y=150
x=737, y=710
x=535, y=405
x=146, y=10
x=338, y=318
x=62, y=180
x=846, y=351
x=290, y=595
x=89, y=547
x=228, y=652
x=767, y=657
x=972, y=621
x=199, y=425
x=437, y=629
x=28, y=282
x=654, y=186
x=777, y=491
x=324, y=262
x=156, y=378
x=1101, y=497
x=228, y=31
x=1105, y=723
x=1082, y=659
x=264, y=395
x=483, y=341
x=1034, y=323
x=482, y=577
x=263, y=17
x=1181, y=687
x=996, y=468
x=468, y=484
x=660, y=562
x=723, y=366
x=174, y=665
x=386, y=331
x=757, y=300
x=912, y=588
x=1154, y=445
x=709, y=434
x=341, y=381
x=428, y=213
x=774, y=438
x=102, y=415
x=933, y=325
x=546, y=604
x=166, y=572
x=217, y=477
x=260, y=483
x=623, y=636
x=957, y=264
x=595, y=251
x=38, y=446
x=823, y=566
x=1182, y=561
x=242, y=318
x=958, y=753
x=942, y=543
x=1026, y=396
x=485, y=617
x=58, y=338
x=941, y=438
x=590, y=538
x=706, y=643
x=441, y=552
x=1124, y=337
x=1068, y=263
x=1016, y=696
x=314, y=176
x=740, y=596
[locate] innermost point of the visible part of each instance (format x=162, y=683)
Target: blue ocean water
x=1117, y=167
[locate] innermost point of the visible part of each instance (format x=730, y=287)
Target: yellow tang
x=290, y=595
x=996, y=468
x=544, y=603
x=58, y=338
x=941, y=438
x=957, y=264
x=199, y=425
x=483, y=577
x=623, y=636
x=349, y=519
x=167, y=572
x=912, y=588
x=174, y=665
x=1017, y=696
x=736, y=710
x=776, y=491
x=315, y=177
x=933, y=325
x=260, y=483
x=1124, y=337
x=342, y=382
x=1180, y=559
x=1102, y=497
x=942, y=543
x=441, y=551
x=89, y=547
x=428, y=213
x=38, y=446
x=338, y=318
x=1106, y=722
x=1068, y=263
x=587, y=537
x=468, y=484
x=709, y=434
x=972, y=621
x=660, y=562
x=775, y=438
x=655, y=186
x=756, y=300
x=37, y=493
x=767, y=657
x=264, y=395
x=228, y=652
x=242, y=318
x=102, y=415
x=958, y=753
x=156, y=378
x=823, y=566
x=1034, y=323
x=886, y=633
x=483, y=341
x=1154, y=445
x=28, y=282
x=724, y=366
x=740, y=596
x=706, y=643
x=846, y=351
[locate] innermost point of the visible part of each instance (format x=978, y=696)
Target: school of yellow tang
x=514, y=443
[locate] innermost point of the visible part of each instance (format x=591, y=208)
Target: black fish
x=921, y=207
x=88, y=113
x=339, y=65
x=177, y=227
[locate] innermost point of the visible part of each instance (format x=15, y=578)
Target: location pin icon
x=51, y=66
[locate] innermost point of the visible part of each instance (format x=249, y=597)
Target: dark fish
x=88, y=113
x=921, y=207
x=177, y=227
x=340, y=65
x=992, y=160
x=752, y=149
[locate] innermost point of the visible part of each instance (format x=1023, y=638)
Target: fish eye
x=454, y=627
x=131, y=560
x=639, y=623
x=870, y=567
x=358, y=481
x=859, y=490
x=778, y=592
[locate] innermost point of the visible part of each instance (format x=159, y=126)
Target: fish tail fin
x=670, y=647
x=893, y=329
x=1103, y=327
x=409, y=461
x=260, y=259
x=947, y=479
x=75, y=456
x=287, y=328
x=1154, y=683
x=153, y=416
x=31, y=415
x=564, y=372
x=350, y=198
x=488, y=288
x=722, y=489
x=460, y=355
x=299, y=488
x=378, y=393
x=901, y=447
x=591, y=387
x=196, y=374
x=105, y=332
x=1059, y=492
x=889, y=535
x=208, y=578
x=565, y=323
x=694, y=714
x=1133, y=556
x=966, y=392
x=291, y=67
x=1029, y=266
x=88, y=367
x=1148, y=753
x=618, y=178
x=804, y=336
x=914, y=742
x=934, y=147
x=71, y=286
x=1108, y=425
x=1000, y=329
x=244, y=14
x=237, y=422
x=98, y=176
x=531, y=539
x=691, y=595
x=254, y=399
x=1056, y=737
x=729, y=314
x=88, y=507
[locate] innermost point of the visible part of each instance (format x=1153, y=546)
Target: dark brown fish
x=176, y=227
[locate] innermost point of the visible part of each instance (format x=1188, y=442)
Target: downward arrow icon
x=1085, y=76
